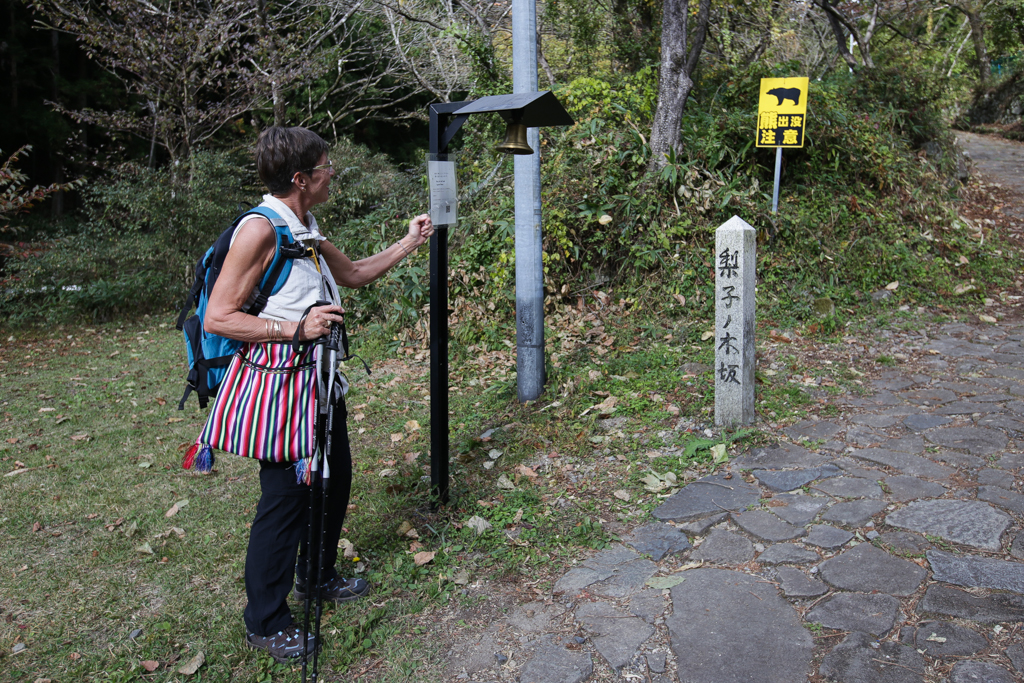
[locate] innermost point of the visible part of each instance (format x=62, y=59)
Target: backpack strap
x=287, y=250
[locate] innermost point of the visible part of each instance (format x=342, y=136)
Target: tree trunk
x=674, y=82
x=978, y=36
x=837, y=31
x=56, y=162
x=14, y=65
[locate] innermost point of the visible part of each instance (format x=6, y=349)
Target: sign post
x=781, y=117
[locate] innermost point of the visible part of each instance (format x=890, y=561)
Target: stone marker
x=866, y=568
x=971, y=572
x=729, y=627
x=735, y=264
x=875, y=614
x=960, y=521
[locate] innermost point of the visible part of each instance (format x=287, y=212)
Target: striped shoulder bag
x=265, y=407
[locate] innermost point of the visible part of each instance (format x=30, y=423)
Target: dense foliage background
x=155, y=111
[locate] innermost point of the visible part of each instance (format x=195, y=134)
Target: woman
x=293, y=164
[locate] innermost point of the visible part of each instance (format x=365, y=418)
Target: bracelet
x=403, y=248
x=273, y=330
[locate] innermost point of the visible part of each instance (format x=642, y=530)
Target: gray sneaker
x=284, y=646
x=337, y=590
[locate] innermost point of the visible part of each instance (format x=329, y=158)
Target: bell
x=515, y=140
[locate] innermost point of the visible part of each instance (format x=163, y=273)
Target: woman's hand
x=318, y=322
x=420, y=229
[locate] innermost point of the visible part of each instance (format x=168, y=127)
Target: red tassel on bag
x=190, y=456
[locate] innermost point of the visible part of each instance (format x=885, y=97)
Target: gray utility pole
x=529, y=235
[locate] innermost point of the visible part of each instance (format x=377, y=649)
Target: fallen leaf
x=461, y=578
x=404, y=528
x=621, y=494
x=415, y=547
x=150, y=666
x=412, y=426
x=172, y=420
x=605, y=219
x=192, y=665
x=594, y=375
x=690, y=565
x=145, y=548
x=680, y=298
x=518, y=516
x=160, y=401
x=395, y=438
x=963, y=289
x=13, y=439
x=145, y=464
x=892, y=286
x=607, y=406
x=80, y=437
x=388, y=473
x=505, y=483
x=92, y=515
x=718, y=451
x=348, y=550
x=62, y=418
x=410, y=457
x=987, y=319
x=47, y=410
x=421, y=558
x=359, y=417
x=707, y=335
x=963, y=261
x=36, y=526
x=665, y=581
x=478, y=524
x=17, y=471
x=526, y=472
x=935, y=639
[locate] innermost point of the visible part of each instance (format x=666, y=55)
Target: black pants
x=281, y=528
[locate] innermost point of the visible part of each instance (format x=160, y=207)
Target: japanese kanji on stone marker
x=735, y=262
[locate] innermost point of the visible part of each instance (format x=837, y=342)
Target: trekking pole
x=334, y=344
x=319, y=474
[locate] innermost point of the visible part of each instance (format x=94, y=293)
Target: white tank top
x=304, y=285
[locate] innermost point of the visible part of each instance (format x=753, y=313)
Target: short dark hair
x=281, y=152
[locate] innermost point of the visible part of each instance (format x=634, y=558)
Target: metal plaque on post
x=444, y=201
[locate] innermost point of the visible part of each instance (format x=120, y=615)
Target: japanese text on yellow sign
x=782, y=112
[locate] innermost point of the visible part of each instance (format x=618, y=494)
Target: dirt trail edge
x=880, y=543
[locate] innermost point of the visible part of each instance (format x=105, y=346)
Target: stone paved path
x=882, y=545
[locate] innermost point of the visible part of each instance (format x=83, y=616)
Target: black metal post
x=439, y=138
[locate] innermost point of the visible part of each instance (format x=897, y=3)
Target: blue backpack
x=210, y=354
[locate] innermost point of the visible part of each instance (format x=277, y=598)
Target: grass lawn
x=118, y=565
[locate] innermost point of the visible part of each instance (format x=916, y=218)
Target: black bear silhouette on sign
x=782, y=94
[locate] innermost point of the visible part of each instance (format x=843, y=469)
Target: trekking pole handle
x=334, y=341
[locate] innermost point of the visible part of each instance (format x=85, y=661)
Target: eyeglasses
x=329, y=166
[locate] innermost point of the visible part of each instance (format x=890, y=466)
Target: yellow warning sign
x=782, y=112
